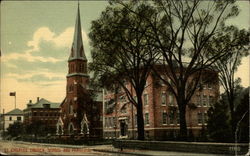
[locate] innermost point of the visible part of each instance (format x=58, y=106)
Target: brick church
x=81, y=113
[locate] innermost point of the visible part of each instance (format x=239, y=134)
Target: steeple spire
x=77, y=50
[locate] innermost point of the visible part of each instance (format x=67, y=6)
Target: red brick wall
x=156, y=129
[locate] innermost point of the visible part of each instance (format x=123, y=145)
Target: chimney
x=37, y=99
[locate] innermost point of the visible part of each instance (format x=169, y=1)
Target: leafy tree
x=38, y=128
x=122, y=52
x=15, y=129
x=242, y=116
x=218, y=125
x=180, y=31
x=236, y=43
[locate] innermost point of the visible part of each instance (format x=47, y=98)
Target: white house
x=16, y=115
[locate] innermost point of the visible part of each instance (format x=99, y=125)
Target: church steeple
x=77, y=49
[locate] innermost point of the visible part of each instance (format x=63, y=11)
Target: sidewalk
x=151, y=153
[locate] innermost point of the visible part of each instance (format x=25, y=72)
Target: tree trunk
x=140, y=120
x=183, y=123
x=232, y=114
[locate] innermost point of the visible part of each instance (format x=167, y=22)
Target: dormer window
x=46, y=105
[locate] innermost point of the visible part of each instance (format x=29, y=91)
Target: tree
x=219, y=120
x=121, y=51
x=38, y=128
x=218, y=125
x=180, y=31
x=15, y=129
x=236, y=43
x=242, y=116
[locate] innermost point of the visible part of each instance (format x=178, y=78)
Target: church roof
x=77, y=49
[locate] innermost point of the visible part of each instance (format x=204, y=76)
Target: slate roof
x=77, y=49
x=42, y=101
x=15, y=112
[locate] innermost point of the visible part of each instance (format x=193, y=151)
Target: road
x=26, y=148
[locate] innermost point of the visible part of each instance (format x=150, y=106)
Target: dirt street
x=25, y=148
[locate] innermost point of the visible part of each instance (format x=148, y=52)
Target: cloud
x=37, y=76
x=27, y=55
x=41, y=35
x=62, y=40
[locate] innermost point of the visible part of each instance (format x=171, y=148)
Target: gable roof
x=43, y=101
x=15, y=112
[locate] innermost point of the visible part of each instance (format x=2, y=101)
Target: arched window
x=71, y=128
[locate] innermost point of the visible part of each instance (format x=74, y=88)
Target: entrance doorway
x=123, y=128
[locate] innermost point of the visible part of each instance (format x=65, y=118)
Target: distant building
x=160, y=110
x=16, y=115
x=43, y=111
x=81, y=114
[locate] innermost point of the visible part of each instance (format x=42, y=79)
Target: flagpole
x=15, y=100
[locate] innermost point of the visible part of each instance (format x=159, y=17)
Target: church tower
x=75, y=116
x=77, y=62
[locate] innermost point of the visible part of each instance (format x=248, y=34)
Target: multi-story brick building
x=81, y=114
x=160, y=110
x=42, y=111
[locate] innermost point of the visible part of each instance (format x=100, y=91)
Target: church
x=81, y=110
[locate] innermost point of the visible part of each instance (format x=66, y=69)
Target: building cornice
x=77, y=74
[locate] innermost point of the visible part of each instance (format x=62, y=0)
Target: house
x=15, y=115
x=160, y=110
x=42, y=111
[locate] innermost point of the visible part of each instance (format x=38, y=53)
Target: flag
x=12, y=93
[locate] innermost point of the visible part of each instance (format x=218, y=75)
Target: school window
x=145, y=98
x=210, y=100
x=163, y=99
x=164, y=118
x=111, y=122
x=10, y=118
x=135, y=120
x=199, y=117
x=106, y=122
x=114, y=122
x=205, y=99
x=178, y=117
x=205, y=118
x=171, y=101
x=171, y=117
x=146, y=119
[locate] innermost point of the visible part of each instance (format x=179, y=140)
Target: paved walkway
x=152, y=153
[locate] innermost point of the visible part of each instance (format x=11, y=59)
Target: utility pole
x=248, y=153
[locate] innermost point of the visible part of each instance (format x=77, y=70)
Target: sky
x=36, y=38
